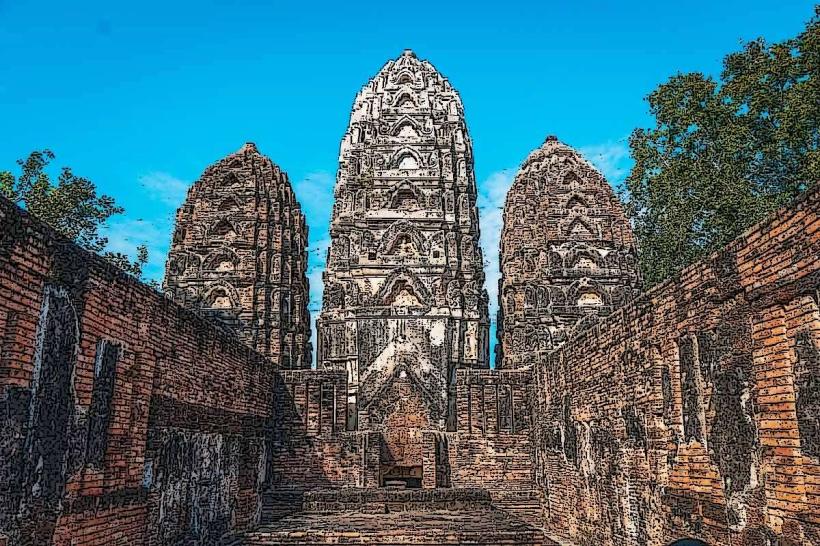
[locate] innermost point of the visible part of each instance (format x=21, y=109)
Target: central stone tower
x=404, y=303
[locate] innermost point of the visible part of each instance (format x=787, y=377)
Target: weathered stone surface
x=124, y=418
x=404, y=303
x=567, y=252
x=238, y=255
x=691, y=411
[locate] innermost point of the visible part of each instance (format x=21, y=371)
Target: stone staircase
x=280, y=503
x=396, y=517
x=398, y=529
x=526, y=505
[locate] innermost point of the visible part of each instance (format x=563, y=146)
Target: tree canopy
x=725, y=153
x=71, y=206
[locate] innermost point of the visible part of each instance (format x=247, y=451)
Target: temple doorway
x=401, y=477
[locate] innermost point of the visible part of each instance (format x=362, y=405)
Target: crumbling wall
x=112, y=398
x=693, y=411
x=491, y=448
x=311, y=448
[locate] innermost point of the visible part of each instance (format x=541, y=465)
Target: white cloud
x=153, y=230
x=125, y=235
x=165, y=188
x=611, y=158
x=492, y=193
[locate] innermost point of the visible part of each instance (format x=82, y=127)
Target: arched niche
x=399, y=235
x=403, y=295
x=405, y=100
x=530, y=298
x=221, y=296
x=589, y=298
x=224, y=228
x=586, y=259
x=405, y=77
x=580, y=228
x=223, y=260
x=406, y=159
x=402, y=279
x=572, y=178
x=228, y=204
x=587, y=293
x=403, y=124
x=509, y=301
x=408, y=162
x=576, y=201
x=405, y=197
x=231, y=179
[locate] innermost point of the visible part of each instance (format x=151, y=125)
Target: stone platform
x=384, y=501
x=485, y=526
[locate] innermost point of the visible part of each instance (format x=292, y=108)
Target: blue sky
x=141, y=97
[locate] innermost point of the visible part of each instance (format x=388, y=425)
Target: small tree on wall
x=71, y=206
x=724, y=154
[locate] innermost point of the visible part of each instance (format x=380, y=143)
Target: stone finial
x=249, y=147
x=408, y=53
x=551, y=138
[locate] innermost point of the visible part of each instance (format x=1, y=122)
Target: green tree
x=72, y=206
x=724, y=154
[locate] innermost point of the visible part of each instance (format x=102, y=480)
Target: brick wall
x=311, y=447
x=692, y=412
x=492, y=449
x=111, y=397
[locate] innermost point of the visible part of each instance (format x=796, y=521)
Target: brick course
x=678, y=415
x=180, y=382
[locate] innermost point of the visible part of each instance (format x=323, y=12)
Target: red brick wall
x=311, y=447
x=692, y=412
x=177, y=379
x=492, y=448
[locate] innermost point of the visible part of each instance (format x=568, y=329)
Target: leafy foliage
x=724, y=154
x=72, y=206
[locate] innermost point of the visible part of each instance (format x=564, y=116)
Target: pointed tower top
x=408, y=53
x=248, y=147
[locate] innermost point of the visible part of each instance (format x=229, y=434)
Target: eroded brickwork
x=238, y=255
x=692, y=412
x=567, y=252
x=124, y=419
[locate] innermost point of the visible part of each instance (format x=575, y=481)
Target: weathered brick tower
x=238, y=255
x=404, y=301
x=567, y=252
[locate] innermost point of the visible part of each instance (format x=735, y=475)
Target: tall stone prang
x=567, y=252
x=404, y=302
x=238, y=255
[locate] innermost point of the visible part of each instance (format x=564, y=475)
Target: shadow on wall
x=298, y=452
x=688, y=542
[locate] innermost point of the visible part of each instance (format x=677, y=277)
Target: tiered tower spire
x=238, y=255
x=404, y=295
x=567, y=252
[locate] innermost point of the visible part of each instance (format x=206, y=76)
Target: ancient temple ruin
x=567, y=253
x=130, y=417
x=404, y=302
x=238, y=255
